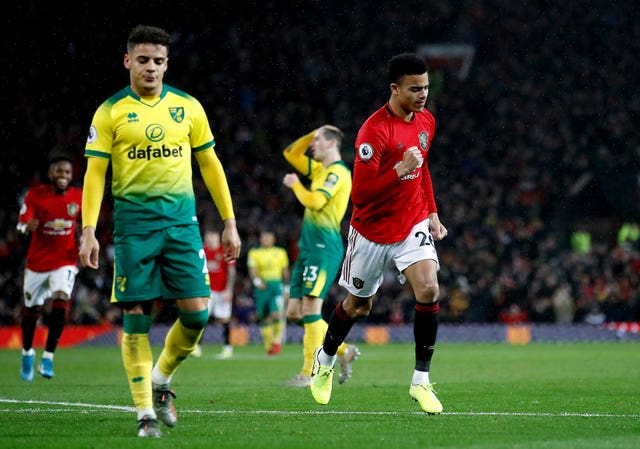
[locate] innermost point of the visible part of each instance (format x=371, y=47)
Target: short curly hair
x=146, y=34
x=406, y=64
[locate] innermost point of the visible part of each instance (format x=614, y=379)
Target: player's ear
x=127, y=61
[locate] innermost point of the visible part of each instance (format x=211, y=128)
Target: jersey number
x=426, y=239
x=203, y=256
x=310, y=273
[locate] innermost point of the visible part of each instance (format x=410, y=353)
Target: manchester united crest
x=423, y=137
x=72, y=209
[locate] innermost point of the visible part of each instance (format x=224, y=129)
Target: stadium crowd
x=536, y=145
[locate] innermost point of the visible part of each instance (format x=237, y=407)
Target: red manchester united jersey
x=217, y=266
x=386, y=207
x=53, y=244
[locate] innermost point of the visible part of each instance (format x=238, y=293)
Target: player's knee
x=428, y=293
x=194, y=320
x=362, y=311
x=293, y=316
x=357, y=308
x=59, y=296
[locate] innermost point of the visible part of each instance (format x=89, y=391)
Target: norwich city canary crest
x=177, y=114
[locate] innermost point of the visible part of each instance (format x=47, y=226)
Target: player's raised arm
x=294, y=153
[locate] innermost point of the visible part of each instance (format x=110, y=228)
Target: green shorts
x=314, y=273
x=167, y=264
x=268, y=300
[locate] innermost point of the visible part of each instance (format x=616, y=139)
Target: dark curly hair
x=146, y=34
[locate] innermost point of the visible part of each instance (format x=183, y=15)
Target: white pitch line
x=73, y=406
x=68, y=404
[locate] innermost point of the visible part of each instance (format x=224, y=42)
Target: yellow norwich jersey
x=150, y=144
x=269, y=262
x=322, y=227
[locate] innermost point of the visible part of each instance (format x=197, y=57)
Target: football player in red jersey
x=394, y=220
x=49, y=213
x=222, y=278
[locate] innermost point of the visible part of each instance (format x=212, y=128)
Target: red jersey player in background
x=394, y=220
x=49, y=213
x=222, y=278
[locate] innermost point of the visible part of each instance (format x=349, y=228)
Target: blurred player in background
x=268, y=266
x=222, y=276
x=150, y=132
x=394, y=220
x=321, y=246
x=49, y=213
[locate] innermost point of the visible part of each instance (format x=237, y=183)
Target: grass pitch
x=569, y=395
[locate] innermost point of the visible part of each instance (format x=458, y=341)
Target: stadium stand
x=537, y=142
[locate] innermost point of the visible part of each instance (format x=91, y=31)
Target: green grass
x=577, y=395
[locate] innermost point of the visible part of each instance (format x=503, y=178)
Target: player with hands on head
x=149, y=132
x=320, y=245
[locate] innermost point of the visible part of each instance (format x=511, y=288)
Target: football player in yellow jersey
x=269, y=271
x=321, y=247
x=149, y=132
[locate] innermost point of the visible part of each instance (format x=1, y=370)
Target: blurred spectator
x=595, y=316
x=513, y=315
x=629, y=234
x=581, y=241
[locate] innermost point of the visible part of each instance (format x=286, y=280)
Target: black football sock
x=226, y=333
x=29, y=319
x=339, y=326
x=425, y=330
x=56, y=324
